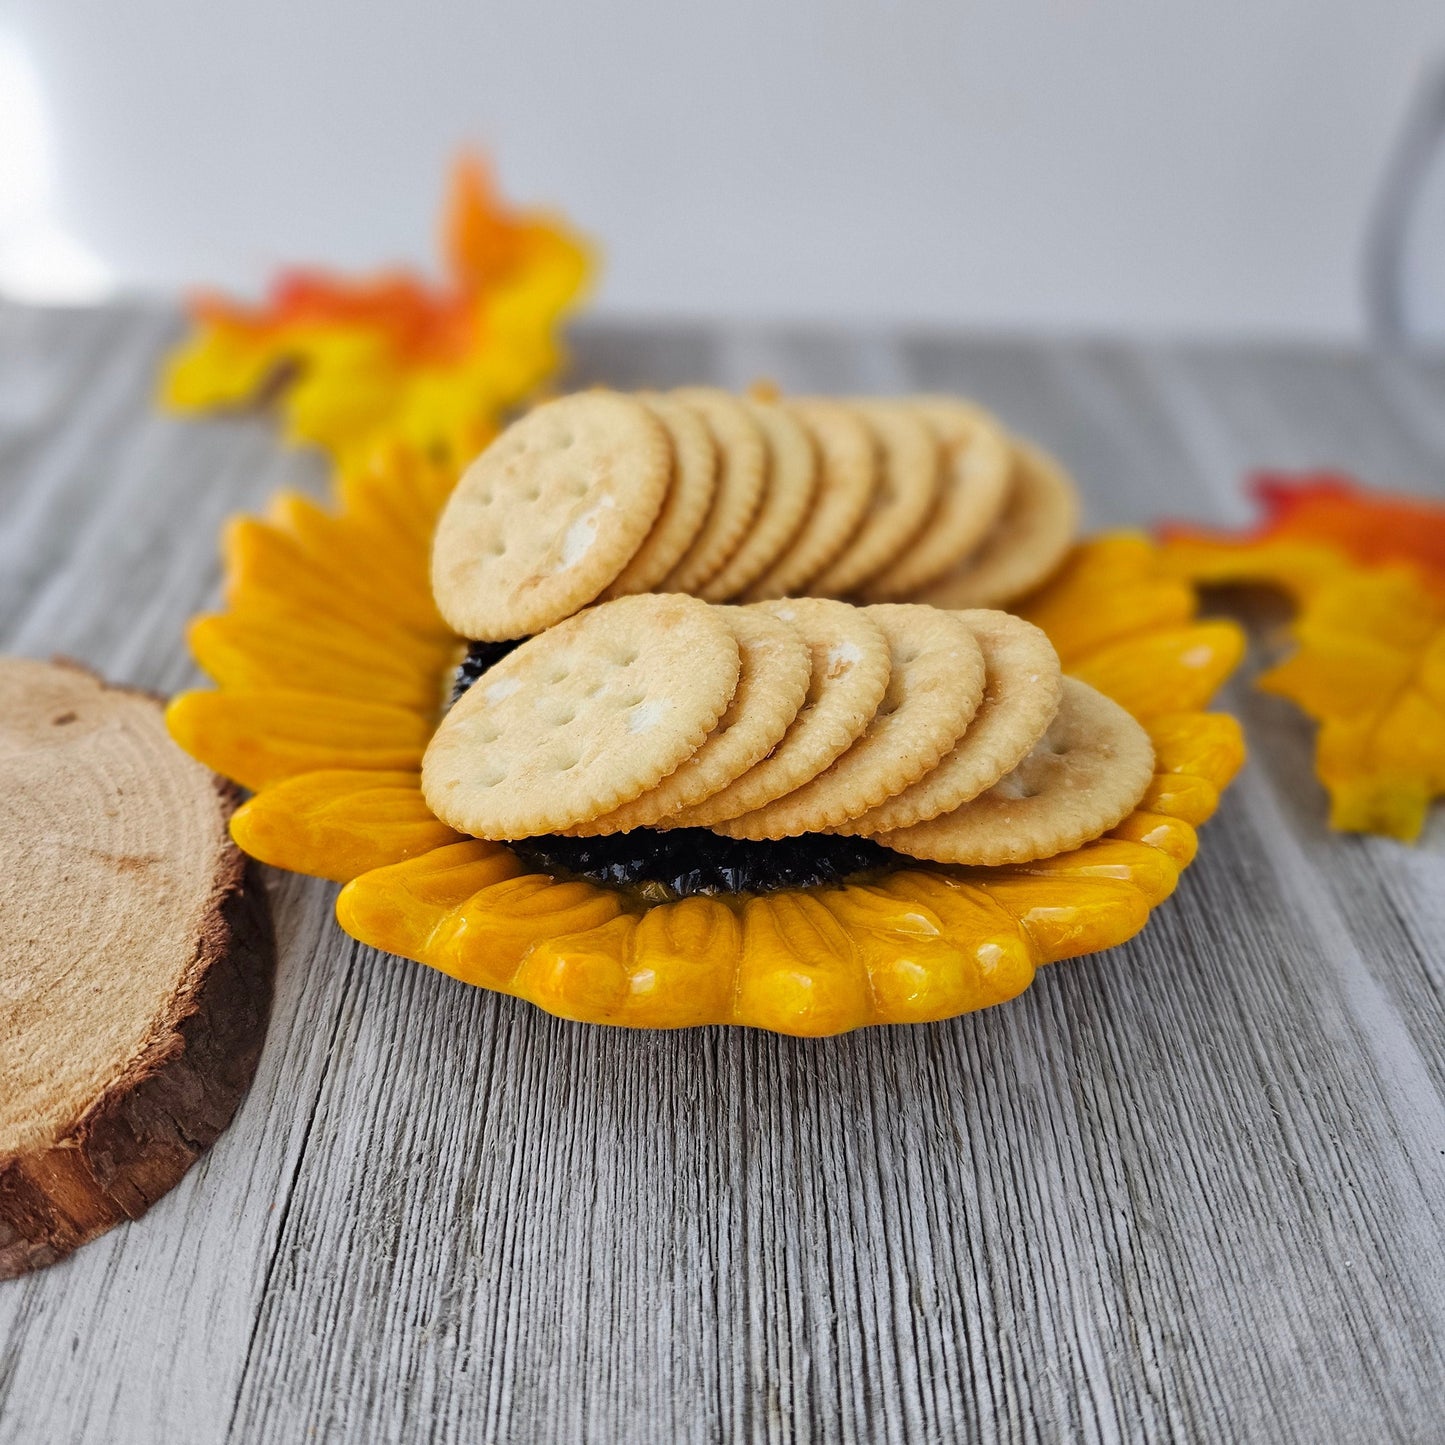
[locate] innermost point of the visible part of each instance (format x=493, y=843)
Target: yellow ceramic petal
x=1064, y=919
x=1208, y=745
x=1172, y=836
x=1110, y=587
x=399, y=908
x=1078, y=629
x=1181, y=795
x=260, y=647
x=486, y=937
x=338, y=824
x=800, y=973
x=355, y=567
x=399, y=490
x=581, y=976
x=1150, y=870
x=683, y=963
x=263, y=563
x=1168, y=671
x=923, y=967
x=260, y=738
x=384, y=562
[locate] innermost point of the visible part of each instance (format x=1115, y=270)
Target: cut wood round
x=136, y=960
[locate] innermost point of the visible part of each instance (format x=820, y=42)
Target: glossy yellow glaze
x=332, y=667
x=340, y=823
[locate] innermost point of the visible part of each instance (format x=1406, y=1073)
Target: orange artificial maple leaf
x=392, y=359
x=1367, y=573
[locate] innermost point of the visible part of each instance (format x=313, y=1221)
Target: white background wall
x=1143, y=164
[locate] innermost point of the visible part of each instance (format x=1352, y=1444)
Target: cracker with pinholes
x=935, y=685
x=1026, y=545
x=549, y=515
x=1022, y=688
x=791, y=483
x=977, y=469
x=690, y=491
x=910, y=480
x=848, y=469
x=847, y=677
x=1084, y=776
x=582, y=718
x=771, y=688
x=742, y=463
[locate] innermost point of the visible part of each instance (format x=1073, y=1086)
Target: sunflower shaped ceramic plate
x=332, y=668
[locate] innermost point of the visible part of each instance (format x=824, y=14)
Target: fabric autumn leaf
x=1366, y=571
x=391, y=360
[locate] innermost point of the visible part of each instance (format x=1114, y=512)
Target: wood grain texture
x=1187, y=1190
x=136, y=959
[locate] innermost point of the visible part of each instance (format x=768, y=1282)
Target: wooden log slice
x=136, y=960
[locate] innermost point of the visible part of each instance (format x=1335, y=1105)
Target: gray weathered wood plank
x=1185, y=1191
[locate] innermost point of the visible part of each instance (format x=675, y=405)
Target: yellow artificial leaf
x=392, y=360
x=1367, y=572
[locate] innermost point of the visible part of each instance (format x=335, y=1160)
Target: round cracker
x=583, y=718
x=771, y=687
x=549, y=514
x=977, y=468
x=909, y=484
x=1085, y=775
x=792, y=483
x=848, y=675
x=935, y=685
x=742, y=462
x=848, y=462
x=1022, y=688
x=1031, y=539
x=690, y=491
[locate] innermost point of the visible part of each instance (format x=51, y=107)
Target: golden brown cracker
x=1084, y=776
x=848, y=676
x=935, y=685
x=582, y=718
x=1030, y=540
x=690, y=491
x=771, y=687
x=910, y=481
x=848, y=463
x=549, y=514
x=742, y=461
x=792, y=480
x=1022, y=688
x=977, y=469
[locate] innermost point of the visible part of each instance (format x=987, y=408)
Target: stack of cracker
x=945, y=735
x=736, y=499
x=614, y=530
